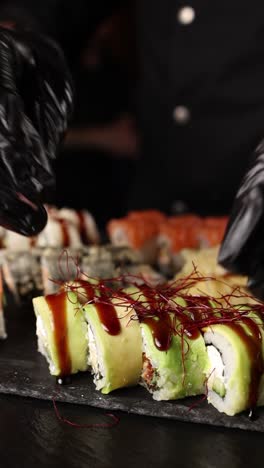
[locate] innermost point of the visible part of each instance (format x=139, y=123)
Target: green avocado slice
x=116, y=359
x=72, y=341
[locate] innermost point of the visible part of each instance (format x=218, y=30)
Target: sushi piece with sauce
x=85, y=223
x=174, y=353
x=175, y=370
x=115, y=349
x=236, y=364
x=58, y=233
x=65, y=228
x=62, y=333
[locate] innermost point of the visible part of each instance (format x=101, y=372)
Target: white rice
x=95, y=360
x=223, y=360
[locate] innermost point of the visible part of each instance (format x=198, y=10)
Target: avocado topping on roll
x=115, y=350
x=62, y=333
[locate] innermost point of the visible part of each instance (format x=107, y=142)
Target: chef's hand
x=35, y=106
x=242, y=250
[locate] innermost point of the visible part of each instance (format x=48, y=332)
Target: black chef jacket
x=202, y=99
x=201, y=92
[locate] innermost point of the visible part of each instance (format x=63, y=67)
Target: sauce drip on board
x=58, y=304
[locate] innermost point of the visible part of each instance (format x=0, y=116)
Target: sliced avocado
x=76, y=331
x=120, y=355
x=219, y=387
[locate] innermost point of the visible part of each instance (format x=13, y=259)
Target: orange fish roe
x=133, y=232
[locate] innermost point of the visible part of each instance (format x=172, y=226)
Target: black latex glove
x=242, y=249
x=35, y=106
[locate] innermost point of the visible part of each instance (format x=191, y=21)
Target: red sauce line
x=57, y=304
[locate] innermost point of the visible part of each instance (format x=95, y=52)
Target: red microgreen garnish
x=168, y=306
x=109, y=425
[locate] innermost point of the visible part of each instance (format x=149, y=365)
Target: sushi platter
x=24, y=373
x=131, y=324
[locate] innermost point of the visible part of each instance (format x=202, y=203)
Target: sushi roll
x=147, y=215
x=174, y=362
x=172, y=239
x=205, y=260
x=62, y=333
x=115, y=349
x=236, y=367
x=59, y=233
x=21, y=276
x=138, y=234
x=16, y=242
x=211, y=232
x=84, y=222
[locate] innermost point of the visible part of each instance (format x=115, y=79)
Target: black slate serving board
x=24, y=372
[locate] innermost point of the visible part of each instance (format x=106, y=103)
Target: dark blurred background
x=96, y=165
x=188, y=79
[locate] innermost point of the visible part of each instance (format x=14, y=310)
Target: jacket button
x=179, y=207
x=181, y=115
x=186, y=15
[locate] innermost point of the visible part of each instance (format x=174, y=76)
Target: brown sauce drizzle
x=199, y=313
x=33, y=241
x=253, y=343
x=189, y=328
x=57, y=304
x=65, y=232
x=87, y=288
x=83, y=231
x=108, y=317
x=160, y=325
x=161, y=329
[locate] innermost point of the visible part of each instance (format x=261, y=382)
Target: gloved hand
x=36, y=97
x=242, y=250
